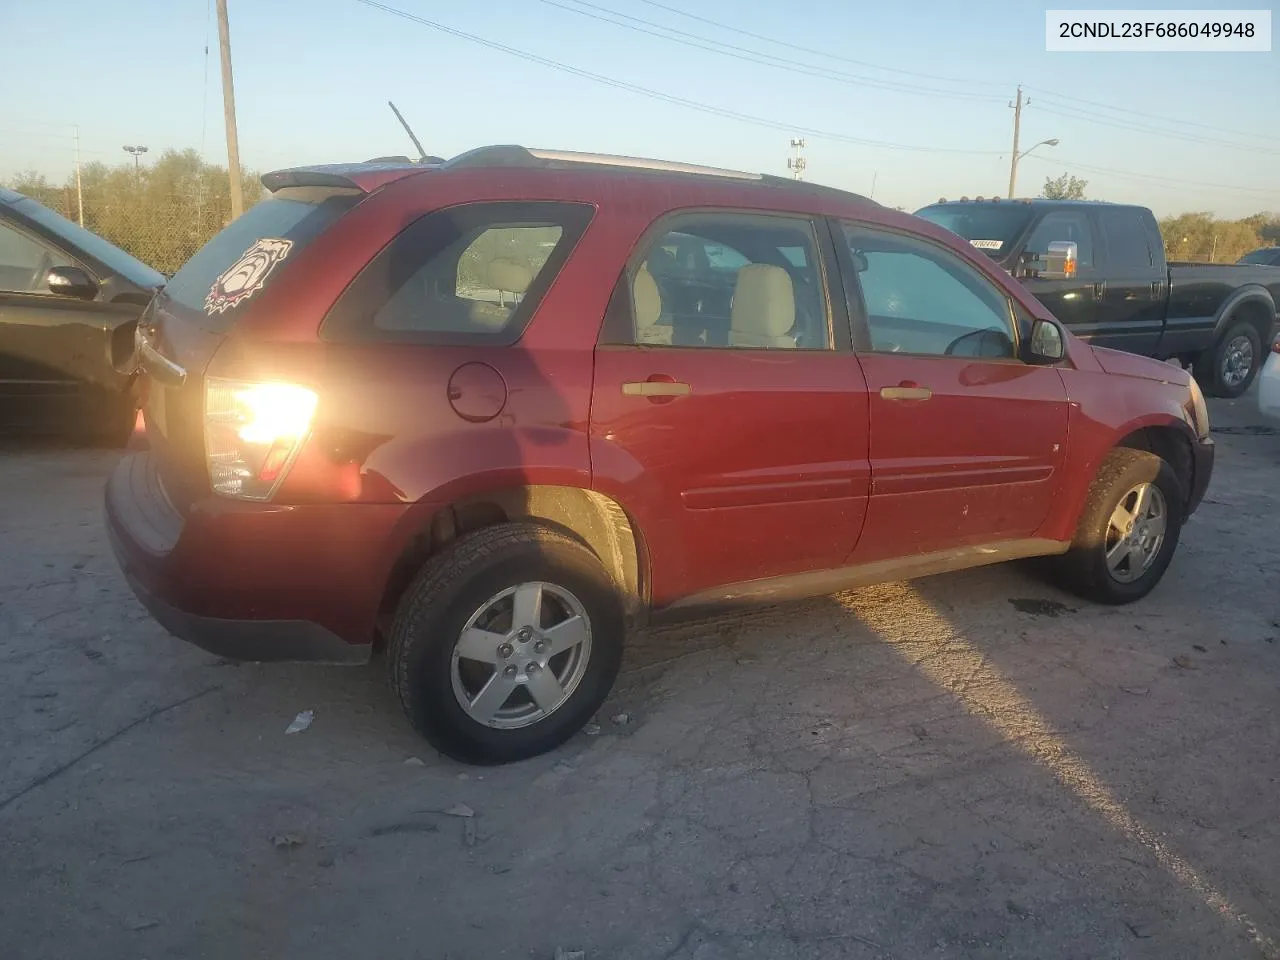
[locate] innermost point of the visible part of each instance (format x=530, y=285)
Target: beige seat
x=764, y=308
x=647, y=301
x=511, y=280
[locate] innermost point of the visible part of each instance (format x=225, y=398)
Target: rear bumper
x=1202, y=455
x=252, y=581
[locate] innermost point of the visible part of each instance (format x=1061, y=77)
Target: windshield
x=241, y=259
x=1267, y=255
x=105, y=252
x=990, y=227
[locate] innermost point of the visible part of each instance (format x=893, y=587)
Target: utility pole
x=229, y=111
x=796, y=164
x=1017, y=127
x=79, y=188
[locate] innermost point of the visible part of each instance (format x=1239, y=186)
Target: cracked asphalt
x=974, y=765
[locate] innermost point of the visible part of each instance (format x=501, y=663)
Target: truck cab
x=1101, y=269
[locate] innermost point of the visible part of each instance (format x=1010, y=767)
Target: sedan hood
x=1119, y=363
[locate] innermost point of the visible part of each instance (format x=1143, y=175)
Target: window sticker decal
x=246, y=276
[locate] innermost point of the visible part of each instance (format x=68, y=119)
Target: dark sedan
x=69, y=301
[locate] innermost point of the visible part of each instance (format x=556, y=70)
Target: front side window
x=469, y=273
x=919, y=298
x=25, y=262
x=731, y=280
x=1069, y=225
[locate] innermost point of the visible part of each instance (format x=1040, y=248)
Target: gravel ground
x=973, y=765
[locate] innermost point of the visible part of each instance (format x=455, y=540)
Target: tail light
x=252, y=433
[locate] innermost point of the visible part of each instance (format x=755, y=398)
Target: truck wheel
x=506, y=644
x=1228, y=367
x=1128, y=531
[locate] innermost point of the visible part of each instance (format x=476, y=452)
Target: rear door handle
x=905, y=392
x=655, y=388
x=1099, y=288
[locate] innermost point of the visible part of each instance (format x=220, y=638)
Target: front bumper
x=1202, y=455
x=253, y=581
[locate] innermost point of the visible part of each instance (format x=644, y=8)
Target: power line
x=1077, y=113
x=1151, y=116
x=699, y=42
x=814, y=52
x=1129, y=174
x=658, y=95
x=1042, y=92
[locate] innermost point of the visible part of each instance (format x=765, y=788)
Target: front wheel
x=506, y=644
x=1129, y=530
x=1228, y=367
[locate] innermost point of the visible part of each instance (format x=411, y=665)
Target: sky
x=861, y=82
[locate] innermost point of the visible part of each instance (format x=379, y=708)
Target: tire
x=1085, y=569
x=1228, y=367
x=463, y=589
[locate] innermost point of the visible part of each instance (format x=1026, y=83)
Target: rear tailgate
x=192, y=316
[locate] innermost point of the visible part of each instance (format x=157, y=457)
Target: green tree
x=1202, y=237
x=162, y=213
x=1065, y=187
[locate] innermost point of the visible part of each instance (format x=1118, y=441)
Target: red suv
x=492, y=412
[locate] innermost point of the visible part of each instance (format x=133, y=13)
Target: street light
x=1013, y=167
x=137, y=153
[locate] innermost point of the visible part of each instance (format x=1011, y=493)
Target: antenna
x=422, y=154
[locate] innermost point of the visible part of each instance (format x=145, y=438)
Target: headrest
x=764, y=302
x=647, y=299
x=509, y=276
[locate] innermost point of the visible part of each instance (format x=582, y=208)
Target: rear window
x=238, y=262
x=1266, y=256
x=991, y=227
x=473, y=273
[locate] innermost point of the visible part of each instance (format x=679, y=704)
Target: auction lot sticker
x=1158, y=31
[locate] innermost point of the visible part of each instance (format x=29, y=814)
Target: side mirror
x=1045, y=344
x=859, y=261
x=71, y=282
x=1059, y=261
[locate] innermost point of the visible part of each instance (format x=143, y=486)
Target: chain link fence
x=163, y=233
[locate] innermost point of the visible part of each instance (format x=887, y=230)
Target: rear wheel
x=1129, y=530
x=506, y=644
x=1228, y=367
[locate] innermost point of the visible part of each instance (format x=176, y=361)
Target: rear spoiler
x=362, y=177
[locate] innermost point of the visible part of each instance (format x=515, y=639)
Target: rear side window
x=238, y=262
x=1127, y=243
x=472, y=273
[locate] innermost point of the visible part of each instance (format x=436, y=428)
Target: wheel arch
x=598, y=522
x=1164, y=435
x=1253, y=304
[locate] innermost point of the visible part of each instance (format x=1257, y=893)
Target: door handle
x=905, y=391
x=655, y=388
x=1099, y=288
x=1156, y=287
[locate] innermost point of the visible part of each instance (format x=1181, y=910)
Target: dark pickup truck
x=1101, y=269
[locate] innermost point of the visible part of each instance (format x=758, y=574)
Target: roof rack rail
x=511, y=155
